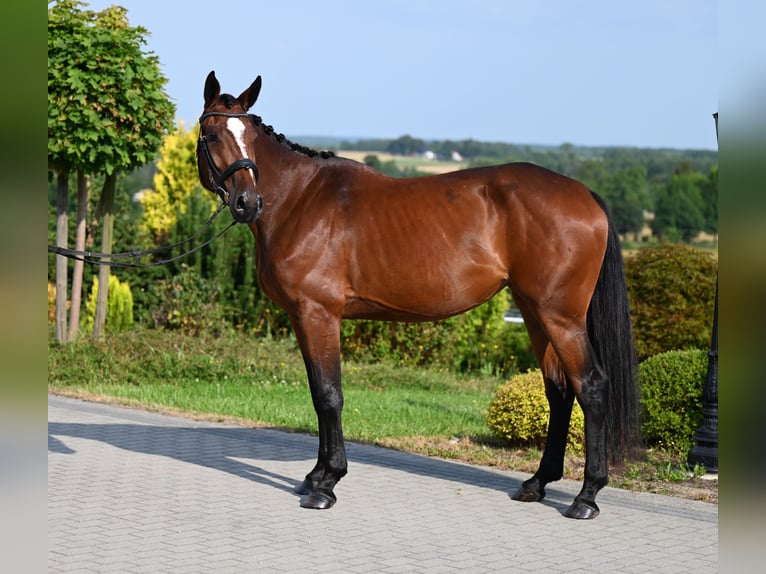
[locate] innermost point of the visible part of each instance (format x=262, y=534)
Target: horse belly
x=427, y=283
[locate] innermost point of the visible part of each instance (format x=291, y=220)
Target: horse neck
x=284, y=175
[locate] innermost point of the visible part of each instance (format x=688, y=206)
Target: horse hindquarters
x=598, y=367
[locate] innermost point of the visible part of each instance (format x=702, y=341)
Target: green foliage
x=480, y=341
x=265, y=380
x=391, y=167
x=672, y=296
x=679, y=208
x=624, y=189
x=425, y=410
x=415, y=344
x=119, y=305
x=477, y=342
x=107, y=108
x=229, y=264
x=190, y=304
x=406, y=145
x=519, y=413
x=174, y=182
x=671, y=398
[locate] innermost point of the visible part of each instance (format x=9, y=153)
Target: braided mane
x=287, y=143
x=229, y=100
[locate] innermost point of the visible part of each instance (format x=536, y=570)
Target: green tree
x=406, y=145
x=592, y=172
x=621, y=158
x=391, y=168
x=679, y=208
x=567, y=159
x=624, y=187
x=107, y=109
x=625, y=191
x=175, y=181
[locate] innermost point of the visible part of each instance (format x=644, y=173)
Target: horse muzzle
x=246, y=206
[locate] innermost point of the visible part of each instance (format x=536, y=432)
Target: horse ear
x=248, y=97
x=212, y=88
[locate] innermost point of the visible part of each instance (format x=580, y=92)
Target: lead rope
x=105, y=258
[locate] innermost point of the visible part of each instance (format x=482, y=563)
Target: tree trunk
x=107, y=231
x=62, y=201
x=82, y=212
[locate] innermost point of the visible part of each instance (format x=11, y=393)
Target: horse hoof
x=582, y=511
x=528, y=494
x=318, y=500
x=305, y=487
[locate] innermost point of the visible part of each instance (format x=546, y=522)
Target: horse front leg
x=319, y=340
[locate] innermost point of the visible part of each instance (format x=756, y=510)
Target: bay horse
x=336, y=240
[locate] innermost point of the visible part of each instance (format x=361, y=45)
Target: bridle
x=216, y=178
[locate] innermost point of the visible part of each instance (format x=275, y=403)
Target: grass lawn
x=264, y=382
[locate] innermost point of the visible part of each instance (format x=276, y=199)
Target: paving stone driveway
x=131, y=491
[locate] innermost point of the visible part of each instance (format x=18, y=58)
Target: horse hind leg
x=560, y=401
x=589, y=384
x=570, y=371
x=593, y=399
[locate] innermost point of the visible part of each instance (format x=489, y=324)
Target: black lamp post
x=705, y=451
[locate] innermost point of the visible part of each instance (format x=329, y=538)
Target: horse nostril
x=241, y=204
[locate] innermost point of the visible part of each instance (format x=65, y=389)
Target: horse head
x=227, y=138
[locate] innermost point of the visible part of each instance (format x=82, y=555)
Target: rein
x=104, y=258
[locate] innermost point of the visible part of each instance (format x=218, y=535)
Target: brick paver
x=132, y=492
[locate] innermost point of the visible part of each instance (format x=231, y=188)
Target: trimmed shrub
x=119, y=305
x=671, y=398
x=672, y=295
x=519, y=413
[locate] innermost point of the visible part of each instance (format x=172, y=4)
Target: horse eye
x=212, y=137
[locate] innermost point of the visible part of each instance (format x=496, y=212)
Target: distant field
x=420, y=163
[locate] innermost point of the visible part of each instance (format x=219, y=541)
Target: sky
x=586, y=72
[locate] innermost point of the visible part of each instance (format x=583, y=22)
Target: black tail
x=611, y=334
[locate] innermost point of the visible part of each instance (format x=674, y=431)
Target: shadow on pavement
x=223, y=448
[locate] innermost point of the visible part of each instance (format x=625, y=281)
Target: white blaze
x=237, y=128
